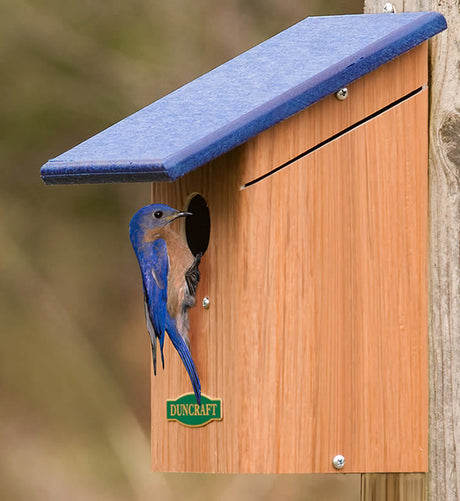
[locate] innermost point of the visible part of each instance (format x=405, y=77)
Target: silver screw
x=338, y=462
x=342, y=94
x=389, y=8
x=206, y=303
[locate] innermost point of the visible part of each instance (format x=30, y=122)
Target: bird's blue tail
x=185, y=355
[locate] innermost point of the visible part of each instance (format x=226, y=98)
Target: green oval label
x=186, y=411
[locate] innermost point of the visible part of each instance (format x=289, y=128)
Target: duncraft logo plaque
x=186, y=411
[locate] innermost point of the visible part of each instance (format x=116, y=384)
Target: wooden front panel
x=316, y=337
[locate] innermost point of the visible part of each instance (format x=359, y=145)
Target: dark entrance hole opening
x=197, y=226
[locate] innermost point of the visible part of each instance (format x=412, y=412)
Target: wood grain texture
x=444, y=273
x=393, y=487
x=330, y=116
x=316, y=335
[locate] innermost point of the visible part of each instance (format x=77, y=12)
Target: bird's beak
x=181, y=214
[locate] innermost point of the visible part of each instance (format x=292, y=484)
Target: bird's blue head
x=152, y=217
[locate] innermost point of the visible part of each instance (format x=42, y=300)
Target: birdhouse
x=304, y=162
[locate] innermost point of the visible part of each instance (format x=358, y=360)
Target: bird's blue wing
x=154, y=268
x=154, y=264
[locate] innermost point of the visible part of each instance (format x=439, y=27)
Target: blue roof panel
x=250, y=93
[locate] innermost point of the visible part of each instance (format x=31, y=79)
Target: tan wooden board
x=316, y=336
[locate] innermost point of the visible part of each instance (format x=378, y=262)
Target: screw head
x=389, y=8
x=342, y=94
x=338, y=462
x=206, y=303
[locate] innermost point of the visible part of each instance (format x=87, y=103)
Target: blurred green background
x=74, y=355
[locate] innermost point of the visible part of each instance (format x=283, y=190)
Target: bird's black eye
x=158, y=214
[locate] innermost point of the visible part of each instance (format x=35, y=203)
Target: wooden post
x=392, y=486
x=444, y=263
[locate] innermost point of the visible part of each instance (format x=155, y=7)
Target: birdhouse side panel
x=340, y=266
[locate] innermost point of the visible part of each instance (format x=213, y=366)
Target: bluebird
x=170, y=276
